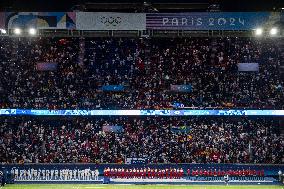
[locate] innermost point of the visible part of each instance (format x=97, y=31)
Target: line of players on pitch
x=176, y=173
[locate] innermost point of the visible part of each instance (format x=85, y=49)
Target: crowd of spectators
x=157, y=139
x=145, y=67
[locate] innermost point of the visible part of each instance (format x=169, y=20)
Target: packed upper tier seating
x=146, y=68
x=157, y=139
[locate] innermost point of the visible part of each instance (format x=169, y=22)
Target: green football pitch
x=101, y=186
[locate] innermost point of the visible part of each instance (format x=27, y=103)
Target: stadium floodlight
x=273, y=31
x=17, y=31
x=258, y=31
x=3, y=31
x=32, y=31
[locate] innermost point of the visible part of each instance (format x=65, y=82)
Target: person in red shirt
x=254, y=172
x=181, y=173
x=149, y=172
x=105, y=172
x=211, y=173
x=160, y=174
x=156, y=173
x=229, y=172
x=134, y=172
x=205, y=172
x=139, y=173
x=166, y=173
x=115, y=172
x=127, y=173
x=200, y=172
x=247, y=172
x=111, y=173
x=219, y=173
x=122, y=173
x=144, y=173
x=130, y=173
x=243, y=172
x=171, y=173
x=223, y=172
x=152, y=173
x=215, y=173
x=237, y=172
x=240, y=173
x=193, y=172
x=177, y=173
x=118, y=173
x=188, y=172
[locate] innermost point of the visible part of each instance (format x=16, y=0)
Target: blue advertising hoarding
x=211, y=20
x=227, y=112
x=112, y=88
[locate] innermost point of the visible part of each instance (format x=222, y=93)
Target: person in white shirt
x=97, y=174
x=226, y=179
x=280, y=174
x=87, y=174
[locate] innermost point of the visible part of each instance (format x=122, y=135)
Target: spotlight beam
x=17, y=31
x=273, y=31
x=258, y=31
x=32, y=31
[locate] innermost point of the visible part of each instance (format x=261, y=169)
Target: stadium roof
x=131, y=5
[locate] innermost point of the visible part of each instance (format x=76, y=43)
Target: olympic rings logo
x=111, y=21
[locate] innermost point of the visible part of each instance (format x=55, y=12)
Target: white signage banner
x=110, y=21
x=248, y=67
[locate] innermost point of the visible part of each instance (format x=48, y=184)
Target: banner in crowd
x=46, y=66
x=115, y=129
x=180, y=129
x=248, y=67
x=40, y=20
x=181, y=88
x=220, y=112
x=177, y=105
x=211, y=20
x=135, y=161
x=112, y=88
x=110, y=21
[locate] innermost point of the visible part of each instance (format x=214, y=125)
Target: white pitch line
x=93, y=187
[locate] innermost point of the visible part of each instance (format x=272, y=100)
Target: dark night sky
x=65, y=5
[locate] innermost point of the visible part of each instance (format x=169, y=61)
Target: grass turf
x=100, y=186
